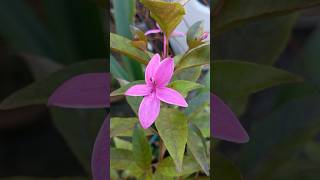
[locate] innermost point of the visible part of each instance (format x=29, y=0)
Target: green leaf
x=141, y=149
x=194, y=33
x=116, y=69
x=235, y=78
x=123, y=159
x=190, y=74
x=173, y=130
x=224, y=169
x=195, y=57
x=167, y=167
x=259, y=42
x=167, y=14
x=123, y=46
x=184, y=87
x=122, y=144
x=124, y=12
x=39, y=91
x=124, y=88
x=79, y=129
x=234, y=13
x=120, y=126
x=197, y=145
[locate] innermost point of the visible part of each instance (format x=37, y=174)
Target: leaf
x=123, y=46
x=141, y=149
x=120, y=158
x=248, y=42
x=194, y=33
x=235, y=78
x=190, y=74
x=167, y=167
x=134, y=102
x=197, y=145
x=79, y=129
x=124, y=12
x=124, y=126
x=280, y=138
x=116, y=69
x=195, y=57
x=39, y=91
x=184, y=87
x=233, y=13
x=167, y=14
x=122, y=144
x=173, y=130
x=124, y=88
x=224, y=169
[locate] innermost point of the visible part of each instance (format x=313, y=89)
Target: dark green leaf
x=39, y=91
x=116, y=69
x=173, y=130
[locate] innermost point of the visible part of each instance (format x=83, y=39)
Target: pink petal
x=164, y=46
x=152, y=67
x=177, y=33
x=83, y=91
x=100, y=155
x=149, y=110
x=225, y=124
x=171, y=96
x=139, y=90
x=164, y=72
x=152, y=31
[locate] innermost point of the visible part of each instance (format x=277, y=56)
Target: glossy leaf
x=167, y=14
x=233, y=13
x=195, y=57
x=167, y=167
x=190, y=74
x=117, y=70
x=227, y=76
x=124, y=88
x=39, y=91
x=184, y=87
x=141, y=149
x=197, y=145
x=122, y=144
x=173, y=130
x=123, y=46
x=194, y=33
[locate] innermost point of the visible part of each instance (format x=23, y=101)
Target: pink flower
x=165, y=41
x=157, y=76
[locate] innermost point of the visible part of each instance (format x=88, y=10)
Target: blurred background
x=283, y=122
x=38, y=37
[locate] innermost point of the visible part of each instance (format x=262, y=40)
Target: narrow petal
x=165, y=41
x=152, y=31
x=225, y=124
x=139, y=90
x=152, y=67
x=178, y=33
x=99, y=160
x=171, y=96
x=83, y=91
x=149, y=110
x=164, y=72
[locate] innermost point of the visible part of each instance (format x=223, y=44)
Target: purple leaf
x=83, y=91
x=100, y=156
x=225, y=124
